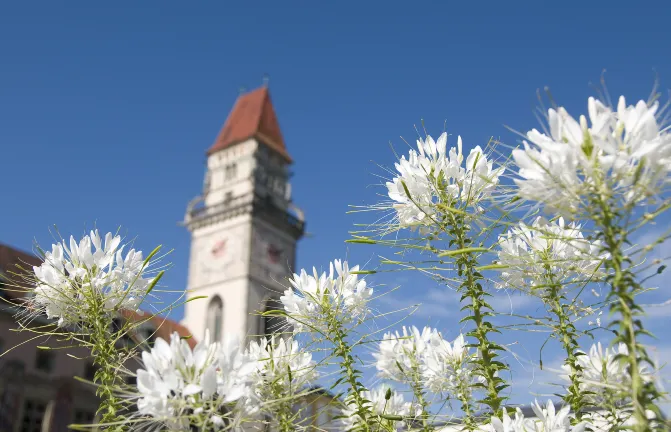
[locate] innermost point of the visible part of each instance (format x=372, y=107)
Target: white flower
x=517, y=424
x=449, y=367
x=235, y=369
x=177, y=384
x=282, y=370
x=433, y=175
x=316, y=299
x=602, y=421
x=625, y=147
x=480, y=178
x=379, y=404
x=400, y=357
x=73, y=280
x=546, y=249
x=547, y=420
x=601, y=372
x=550, y=420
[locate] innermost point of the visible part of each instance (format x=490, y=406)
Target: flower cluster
x=89, y=275
x=218, y=384
x=604, y=420
x=282, y=369
x=381, y=401
x=401, y=355
x=624, y=147
x=435, y=175
x=178, y=386
x=602, y=372
x=548, y=419
x=546, y=250
x=315, y=300
x=440, y=366
x=449, y=368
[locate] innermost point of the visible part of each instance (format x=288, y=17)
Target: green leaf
x=361, y=240
x=463, y=251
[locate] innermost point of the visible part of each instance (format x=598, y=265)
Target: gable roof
x=10, y=258
x=13, y=261
x=252, y=116
x=163, y=326
x=14, y=264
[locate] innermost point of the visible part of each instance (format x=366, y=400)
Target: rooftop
x=252, y=116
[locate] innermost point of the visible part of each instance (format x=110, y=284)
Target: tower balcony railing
x=200, y=210
x=197, y=210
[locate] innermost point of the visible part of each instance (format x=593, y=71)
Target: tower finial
x=266, y=79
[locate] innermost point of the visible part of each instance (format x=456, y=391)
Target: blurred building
x=38, y=391
x=244, y=231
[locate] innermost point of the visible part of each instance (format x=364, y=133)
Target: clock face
x=216, y=256
x=273, y=254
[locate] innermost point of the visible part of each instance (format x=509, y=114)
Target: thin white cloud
x=444, y=302
x=510, y=303
x=658, y=310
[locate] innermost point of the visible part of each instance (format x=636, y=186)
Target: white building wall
x=242, y=156
x=225, y=275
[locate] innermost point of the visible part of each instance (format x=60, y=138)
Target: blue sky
x=106, y=110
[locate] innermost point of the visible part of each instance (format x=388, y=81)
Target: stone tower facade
x=244, y=227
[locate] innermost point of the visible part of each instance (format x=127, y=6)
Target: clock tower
x=244, y=227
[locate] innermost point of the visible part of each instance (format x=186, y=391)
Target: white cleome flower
x=626, y=147
x=533, y=254
x=508, y=424
x=623, y=419
x=282, y=370
x=401, y=356
x=315, y=299
x=379, y=404
x=87, y=275
x=435, y=175
x=600, y=372
x=178, y=386
x=448, y=368
x=547, y=419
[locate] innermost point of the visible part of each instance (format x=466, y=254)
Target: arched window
x=215, y=318
x=272, y=323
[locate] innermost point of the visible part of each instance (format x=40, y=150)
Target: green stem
x=465, y=398
x=623, y=290
x=610, y=400
x=343, y=350
x=284, y=417
x=105, y=357
x=282, y=410
x=418, y=391
x=566, y=333
x=487, y=366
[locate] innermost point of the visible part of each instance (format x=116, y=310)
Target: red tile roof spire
x=252, y=116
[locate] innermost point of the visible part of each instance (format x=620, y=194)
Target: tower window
x=215, y=318
x=231, y=171
x=271, y=324
x=228, y=197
